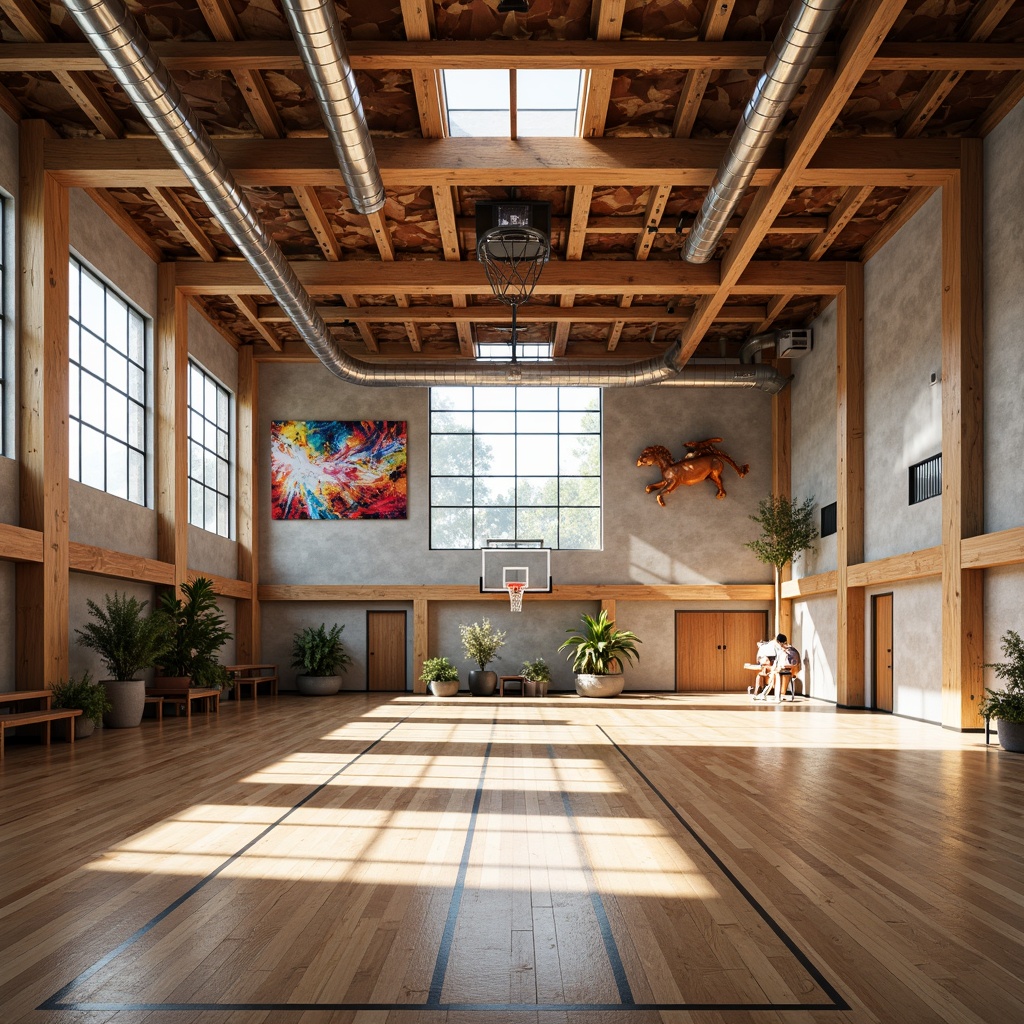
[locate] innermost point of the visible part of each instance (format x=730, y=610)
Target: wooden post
x=782, y=482
x=962, y=466
x=171, y=359
x=850, y=488
x=41, y=615
x=248, y=639
x=420, y=641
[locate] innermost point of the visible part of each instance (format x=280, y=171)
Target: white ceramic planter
x=444, y=687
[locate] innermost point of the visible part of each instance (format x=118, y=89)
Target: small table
x=502, y=680
x=252, y=676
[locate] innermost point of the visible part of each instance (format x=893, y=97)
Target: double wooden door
x=712, y=647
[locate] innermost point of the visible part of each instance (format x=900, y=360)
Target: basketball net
x=515, y=595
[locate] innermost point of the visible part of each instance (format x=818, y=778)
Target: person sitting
x=767, y=651
x=785, y=665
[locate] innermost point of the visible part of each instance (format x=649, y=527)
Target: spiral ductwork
x=789, y=60
x=119, y=41
x=321, y=44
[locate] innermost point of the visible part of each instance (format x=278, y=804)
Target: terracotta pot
x=318, y=686
x=171, y=683
x=600, y=686
x=129, y=699
x=444, y=687
x=482, y=684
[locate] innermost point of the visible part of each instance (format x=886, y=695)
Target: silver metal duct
x=321, y=44
x=729, y=375
x=795, y=47
x=758, y=343
x=119, y=41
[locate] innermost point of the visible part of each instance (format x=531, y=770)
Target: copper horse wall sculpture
x=703, y=462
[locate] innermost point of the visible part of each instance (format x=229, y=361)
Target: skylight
x=479, y=102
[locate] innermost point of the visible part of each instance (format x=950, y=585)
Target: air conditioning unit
x=791, y=344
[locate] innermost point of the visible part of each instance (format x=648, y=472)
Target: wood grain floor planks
x=398, y=860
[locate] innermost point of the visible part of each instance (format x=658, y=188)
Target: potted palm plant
x=85, y=694
x=597, y=654
x=127, y=642
x=322, y=657
x=441, y=676
x=1006, y=706
x=197, y=633
x=536, y=678
x=481, y=644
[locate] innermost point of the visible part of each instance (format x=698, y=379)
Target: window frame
x=227, y=461
x=924, y=479
x=135, y=395
x=480, y=532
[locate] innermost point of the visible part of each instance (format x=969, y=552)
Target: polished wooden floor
x=372, y=859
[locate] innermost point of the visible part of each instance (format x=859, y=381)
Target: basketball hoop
x=515, y=595
x=513, y=258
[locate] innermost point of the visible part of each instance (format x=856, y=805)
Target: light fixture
x=513, y=7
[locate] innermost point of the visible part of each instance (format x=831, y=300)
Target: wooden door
x=742, y=632
x=699, y=651
x=385, y=650
x=882, y=616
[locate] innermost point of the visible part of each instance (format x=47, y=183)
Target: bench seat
x=253, y=682
x=185, y=695
x=43, y=717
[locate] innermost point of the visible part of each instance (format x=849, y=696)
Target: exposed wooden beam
x=20, y=544
x=247, y=612
x=1008, y=98
x=989, y=550
x=433, y=55
x=97, y=561
x=180, y=216
x=352, y=301
x=10, y=105
x=605, y=26
x=911, y=565
x=810, y=586
x=120, y=216
x=382, y=235
x=418, y=19
x=713, y=25
x=142, y=163
x=588, y=277
x=247, y=307
x=903, y=213
x=309, y=203
x=229, y=336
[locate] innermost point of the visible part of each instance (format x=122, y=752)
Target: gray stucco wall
x=902, y=411
x=814, y=633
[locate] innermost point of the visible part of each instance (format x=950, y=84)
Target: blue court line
x=614, y=959
x=54, y=1002
x=839, y=1003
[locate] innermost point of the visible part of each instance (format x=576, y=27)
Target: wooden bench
x=43, y=717
x=252, y=676
x=157, y=704
x=184, y=696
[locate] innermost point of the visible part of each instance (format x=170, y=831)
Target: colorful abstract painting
x=338, y=469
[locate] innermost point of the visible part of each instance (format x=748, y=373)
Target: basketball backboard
x=515, y=561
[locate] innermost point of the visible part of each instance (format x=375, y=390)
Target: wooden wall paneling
x=850, y=488
x=248, y=641
x=420, y=642
x=962, y=467
x=171, y=358
x=41, y=588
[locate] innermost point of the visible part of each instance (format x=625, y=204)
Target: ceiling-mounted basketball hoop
x=513, y=250
x=515, y=595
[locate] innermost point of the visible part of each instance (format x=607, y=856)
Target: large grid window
x=107, y=387
x=508, y=462
x=209, y=452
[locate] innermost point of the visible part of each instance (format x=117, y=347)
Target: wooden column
x=420, y=641
x=850, y=488
x=41, y=614
x=782, y=482
x=171, y=359
x=962, y=467
x=248, y=638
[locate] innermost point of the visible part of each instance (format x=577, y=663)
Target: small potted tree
x=127, y=642
x=536, y=678
x=1006, y=706
x=198, y=632
x=441, y=677
x=322, y=657
x=597, y=654
x=481, y=644
x=85, y=694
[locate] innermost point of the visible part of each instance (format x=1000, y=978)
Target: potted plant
x=197, y=633
x=441, y=676
x=597, y=655
x=322, y=657
x=481, y=644
x=1006, y=706
x=536, y=678
x=127, y=642
x=85, y=694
